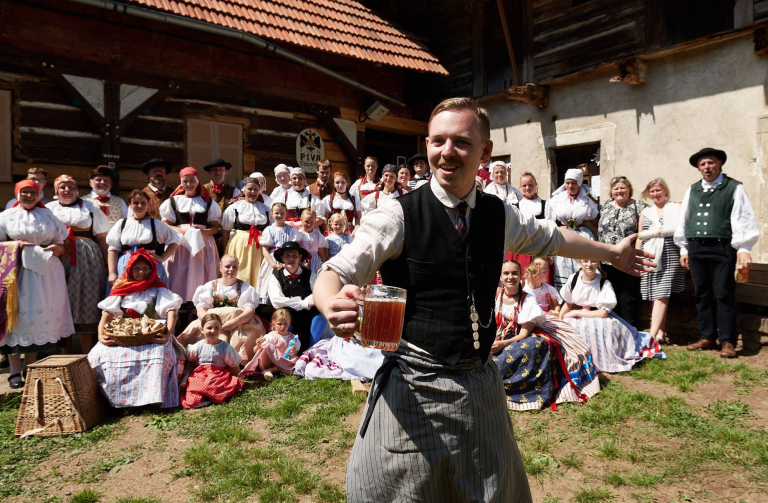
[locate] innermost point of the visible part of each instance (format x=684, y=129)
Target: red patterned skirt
x=207, y=382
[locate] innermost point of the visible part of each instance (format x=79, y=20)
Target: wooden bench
x=754, y=327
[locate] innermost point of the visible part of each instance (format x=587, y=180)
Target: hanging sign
x=309, y=150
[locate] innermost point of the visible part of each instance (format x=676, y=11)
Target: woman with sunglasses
x=619, y=218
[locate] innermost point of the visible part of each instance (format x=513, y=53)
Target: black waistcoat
x=183, y=218
x=437, y=269
x=298, y=287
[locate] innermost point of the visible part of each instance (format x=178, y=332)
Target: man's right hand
x=684, y=262
x=343, y=310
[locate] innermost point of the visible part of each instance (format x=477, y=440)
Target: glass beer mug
x=382, y=314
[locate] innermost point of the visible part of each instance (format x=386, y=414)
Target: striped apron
x=434, y=432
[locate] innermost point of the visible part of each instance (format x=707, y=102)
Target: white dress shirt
x=743, y=220
x=381, y=236
x=279, y=300
x=123, y=205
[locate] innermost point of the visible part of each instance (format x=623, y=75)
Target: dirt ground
x=148, y=459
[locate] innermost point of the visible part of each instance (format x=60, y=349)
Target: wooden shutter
x=209, y=139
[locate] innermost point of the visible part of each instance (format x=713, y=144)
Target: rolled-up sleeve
x=379, y=238
x=527, y=235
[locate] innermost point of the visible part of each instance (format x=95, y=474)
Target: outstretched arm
x=623, y=256
x=338, y=303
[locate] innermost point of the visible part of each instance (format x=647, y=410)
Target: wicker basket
x=137, y=339
x=61, y=396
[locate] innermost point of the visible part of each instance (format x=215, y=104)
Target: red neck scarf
x=126, y=284
x=200, y=191
x=216, y=188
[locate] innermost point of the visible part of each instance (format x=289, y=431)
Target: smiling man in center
x=436, y=426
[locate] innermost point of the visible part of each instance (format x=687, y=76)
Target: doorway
x=388, y=148
x=585, y=156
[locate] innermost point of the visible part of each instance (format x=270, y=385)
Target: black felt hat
x=719, y=154
x=218, y=163
x=152, y=163
x=291, y=245
x=417, y=157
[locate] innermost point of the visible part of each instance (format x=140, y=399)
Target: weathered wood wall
x=761, y=10
x=219, y=79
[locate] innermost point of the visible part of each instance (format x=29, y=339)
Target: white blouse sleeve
x=165, y=234
x=606, y=299
x=531, y=312
x=193, y=351
x=317, y=204
x=112, y=305
x=228, y=218
x=214, y=213
x=113, y=237
x=167, y=301
x=231, y=357
x=100, y=220
x=592, y=209
x=553, y=293
x=565, y=291
x=249, y=297
x=266, y=238
x=61, y=233
x=167, y=213
x=203, y=296
x=323, y=243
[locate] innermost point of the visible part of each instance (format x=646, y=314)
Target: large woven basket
x=61, y=396
x=135, y=340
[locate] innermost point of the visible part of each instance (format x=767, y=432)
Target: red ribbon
x=105, y=210
x=253, y=235
x=72, y=247
x=103, y=199
x=294, y=276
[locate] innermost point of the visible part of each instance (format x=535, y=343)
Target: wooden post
x=479, y=81
x=511, y=51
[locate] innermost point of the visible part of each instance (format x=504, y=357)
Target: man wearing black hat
x=715, y=234
x=157, y=191
x=291, y=288
x=219, y=190
x=418, y=164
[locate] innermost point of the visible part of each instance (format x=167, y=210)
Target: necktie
x=103, y=199
x=461, y=225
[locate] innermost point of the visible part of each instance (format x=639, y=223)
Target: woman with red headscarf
x=192, y=211
x=43, y=317
x=85, y=262
x=138, y=375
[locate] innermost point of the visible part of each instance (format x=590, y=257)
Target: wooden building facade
x=81, y=85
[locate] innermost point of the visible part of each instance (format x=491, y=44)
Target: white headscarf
x=298, y=171
x=496, y=163
x=280, y=168
x=257, y=174
x=577, y=175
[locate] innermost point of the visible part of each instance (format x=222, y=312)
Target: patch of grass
x=102, y=466
x=331, y=493
x=644, y=480
x=592, y=495
x=615, y=480
x=18, y=458
x=86, y=496
x=133, y=499
x=609, y=449
x=552, y=499
x=572, y=460
x=686, y=370
x=539, y=464
x=729, y=411
x=230, y=434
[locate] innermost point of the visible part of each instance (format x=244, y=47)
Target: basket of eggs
x=134, y=331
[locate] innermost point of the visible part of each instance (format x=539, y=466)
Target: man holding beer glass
x=436, y=426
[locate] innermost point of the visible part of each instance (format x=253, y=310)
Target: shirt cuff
x=743, y=250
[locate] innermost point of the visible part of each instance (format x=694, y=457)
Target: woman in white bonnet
x=283, y=179
x=263, y=197
x=570, y=206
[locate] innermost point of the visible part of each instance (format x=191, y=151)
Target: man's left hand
x=744, y=260
x=631, y=260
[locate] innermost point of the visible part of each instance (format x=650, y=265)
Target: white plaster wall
x=713, y=96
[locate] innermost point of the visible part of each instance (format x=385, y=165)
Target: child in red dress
x=214, y=379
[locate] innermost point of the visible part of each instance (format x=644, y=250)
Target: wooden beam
x=511, y=51
x=654, y=24
x=530, y=94
x=527, y=32
x=479, y=80
x=55, y=75
x=350, y=151
x=167, y=90
x=631, y=71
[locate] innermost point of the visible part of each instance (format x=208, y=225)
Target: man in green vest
x=715, y=234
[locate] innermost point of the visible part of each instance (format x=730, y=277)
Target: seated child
x=214, y=379
x=270, y=350
x=337, y=225
x=546, y=295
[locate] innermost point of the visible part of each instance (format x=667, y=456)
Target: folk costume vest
x=298, y=287
x=183, y=218
x=222, y=199
x=440, y=272
x=112, y=209
x=709, y=210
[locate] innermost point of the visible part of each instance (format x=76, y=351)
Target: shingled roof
x=342, y=27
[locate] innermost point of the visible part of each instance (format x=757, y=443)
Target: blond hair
x=35, y=170
x=229, y=255
x=280, y=315
x=646, y=194
x=308, y=211
x=278, y=204
x=338, y=216
x=533, y=269
x=456, y=104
